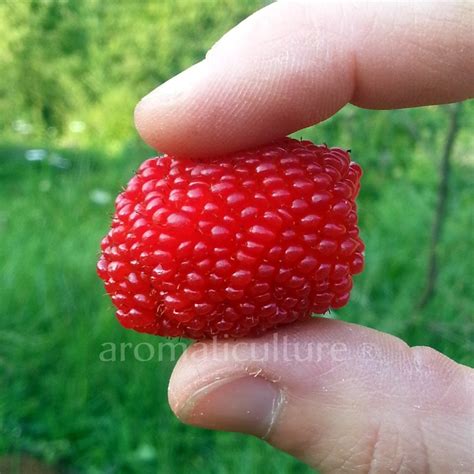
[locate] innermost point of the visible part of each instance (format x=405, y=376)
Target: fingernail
x=245, y=404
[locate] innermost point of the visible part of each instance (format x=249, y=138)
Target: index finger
x=293, y=64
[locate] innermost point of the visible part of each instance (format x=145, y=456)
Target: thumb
x=340, y=397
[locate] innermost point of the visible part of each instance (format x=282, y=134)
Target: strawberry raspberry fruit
x=234, y=246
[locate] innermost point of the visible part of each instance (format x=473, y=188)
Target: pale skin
x=388, y=408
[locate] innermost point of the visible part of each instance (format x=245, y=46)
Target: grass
x=60, y=403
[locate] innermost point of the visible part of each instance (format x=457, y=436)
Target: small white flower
x=99, y=196
x=36, y=155
x=145, y=453
x=59, y=162
x=22, y=127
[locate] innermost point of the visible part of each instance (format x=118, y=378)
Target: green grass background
x=60, y=403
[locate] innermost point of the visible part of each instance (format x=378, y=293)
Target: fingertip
x=165, y=118
x=312, y=383
x=139, y=117
x=268, y=77
x=244, y=404
x=173, y=397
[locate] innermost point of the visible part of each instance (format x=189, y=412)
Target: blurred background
x=71, y=74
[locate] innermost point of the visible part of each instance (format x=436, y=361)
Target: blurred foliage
x=72, y=72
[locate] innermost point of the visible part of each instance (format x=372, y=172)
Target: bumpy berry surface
x=234, y=246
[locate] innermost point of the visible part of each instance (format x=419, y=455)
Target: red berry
x=234, y=246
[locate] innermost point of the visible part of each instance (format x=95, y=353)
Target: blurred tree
x=91, y=60
x=47, y=53
x=441, y=204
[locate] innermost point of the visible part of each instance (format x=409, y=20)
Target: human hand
x=338, y=396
